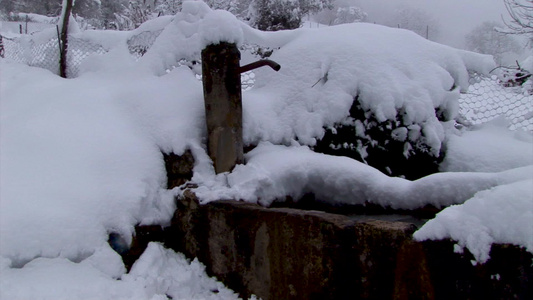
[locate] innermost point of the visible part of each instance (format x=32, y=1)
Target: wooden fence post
x=64, y=39
x=2, y=51
x=223, y=105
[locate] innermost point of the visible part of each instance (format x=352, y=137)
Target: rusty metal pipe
x=260, y=63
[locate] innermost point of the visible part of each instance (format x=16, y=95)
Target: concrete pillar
x=223, y=105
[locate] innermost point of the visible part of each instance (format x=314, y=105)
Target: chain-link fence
x=25, y=49
x=139, y=44
x=486, y=99
x=45, y=55
x=78, y=50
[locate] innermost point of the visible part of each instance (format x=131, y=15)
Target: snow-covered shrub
x=511, y=77
x=392, y=146
x=275, y=15
x=382, y=95
x=349, y=14
x=168, y=7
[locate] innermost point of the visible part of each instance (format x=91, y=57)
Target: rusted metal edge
x=260, y=63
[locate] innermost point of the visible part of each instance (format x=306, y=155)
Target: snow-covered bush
x=515, y=77
x=275, y=15
x=394, y=147
x=388, y=106
x=340, y=14
x=349, y=14
x=168, y=7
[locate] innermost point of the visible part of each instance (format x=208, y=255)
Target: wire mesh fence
x=78, y=51
x=24, y=50
x=486, y=99
x=139, y=44
x=45, y=54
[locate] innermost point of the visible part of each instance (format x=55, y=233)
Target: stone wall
x=285, y=253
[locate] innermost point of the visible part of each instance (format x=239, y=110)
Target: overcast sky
x=456, y=17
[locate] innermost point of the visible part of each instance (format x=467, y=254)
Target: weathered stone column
x=223, y=105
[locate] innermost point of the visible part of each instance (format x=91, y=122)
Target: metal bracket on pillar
x=221, y=76
x=260, y=63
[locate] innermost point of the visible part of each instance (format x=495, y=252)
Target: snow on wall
x=500, y=215
x=273, y=172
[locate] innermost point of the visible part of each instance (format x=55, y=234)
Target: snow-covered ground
x=81, y=158
x=158, y=274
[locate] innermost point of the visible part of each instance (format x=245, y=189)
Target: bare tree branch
x=521, y=13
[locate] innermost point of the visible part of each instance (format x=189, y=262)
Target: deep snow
x=157, y=275
x=81, y=158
